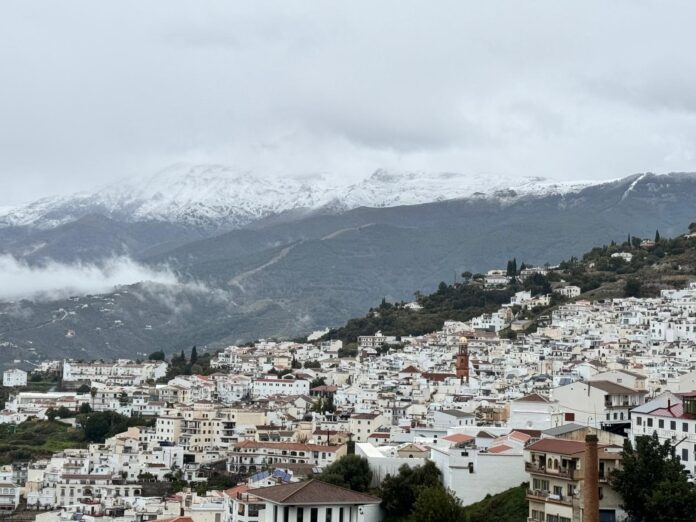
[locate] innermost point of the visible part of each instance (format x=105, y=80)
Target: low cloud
x=54, y=280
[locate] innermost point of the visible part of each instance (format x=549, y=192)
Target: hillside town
x=490, y=402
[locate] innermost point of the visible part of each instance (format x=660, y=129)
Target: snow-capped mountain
x=219, y=196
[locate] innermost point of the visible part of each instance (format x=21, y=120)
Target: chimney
x=590, y=487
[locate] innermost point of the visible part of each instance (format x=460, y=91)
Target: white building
x=309, y=501
x=286, y=385
x=14, y=377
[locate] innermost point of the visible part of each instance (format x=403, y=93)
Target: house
x=14, y=377
x=308, y=501
x=598, y=403
x=673, y=418
x=362, y=425
x=569, y=291
x=451, y=418
x=534, y=411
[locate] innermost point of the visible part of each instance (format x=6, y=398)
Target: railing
x=545, y=496
x=531, y=467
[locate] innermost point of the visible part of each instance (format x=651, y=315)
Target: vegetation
x=37, y=439
x=401, y=492
x=654, y=483
x=459, y=302
x=195, y=365
x=350, y=471
x=507, y=506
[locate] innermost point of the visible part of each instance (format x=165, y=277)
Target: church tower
x=463, y=360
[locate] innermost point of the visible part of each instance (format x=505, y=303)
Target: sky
x=91, y=92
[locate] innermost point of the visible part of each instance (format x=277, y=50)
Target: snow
x=221, y=196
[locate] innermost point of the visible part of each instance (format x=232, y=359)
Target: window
x=329, y=514
x=300, y=514
x=685, y=427
x=639, y=421
x=672, y=425
x=685, y=454
x=314, y=515
x=650, y=422
x=340, y=515
x=661, y=423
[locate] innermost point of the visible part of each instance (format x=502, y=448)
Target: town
x=261, y=432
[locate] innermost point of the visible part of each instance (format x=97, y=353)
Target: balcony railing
x=532, y=467
x=545, y=496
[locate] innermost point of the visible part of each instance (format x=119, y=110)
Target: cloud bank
x=54, y=280
x=93, y=92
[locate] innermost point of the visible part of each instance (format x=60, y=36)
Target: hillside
x=600, y=273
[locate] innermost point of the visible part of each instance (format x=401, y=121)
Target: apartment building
x=555, y=468
x=251, y=456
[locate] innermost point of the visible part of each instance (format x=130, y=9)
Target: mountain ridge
x=219, y=197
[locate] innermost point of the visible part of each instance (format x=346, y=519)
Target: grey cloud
x=590, y=90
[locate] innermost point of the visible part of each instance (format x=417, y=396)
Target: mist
x=54, y=280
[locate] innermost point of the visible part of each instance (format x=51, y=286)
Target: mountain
x=221, y=198
x=288, y=275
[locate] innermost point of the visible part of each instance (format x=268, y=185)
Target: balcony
x=566, y=473
x=545, y=496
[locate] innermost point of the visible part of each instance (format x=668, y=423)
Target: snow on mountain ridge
x=220, y=196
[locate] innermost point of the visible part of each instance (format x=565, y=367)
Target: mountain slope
x=289, y=277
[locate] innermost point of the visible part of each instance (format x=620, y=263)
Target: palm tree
x=93, y=393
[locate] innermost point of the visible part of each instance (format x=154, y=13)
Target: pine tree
x=194, y=355
x=657, y=236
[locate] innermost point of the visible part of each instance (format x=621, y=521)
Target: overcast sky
x=94, y=91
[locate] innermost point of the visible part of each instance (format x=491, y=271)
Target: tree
x=194, y=355
x=537, y=284
x=93, y=393
x=64, y=413
x=350, y=471
x=83, y=389
x=632, y=288
x=85, y=408
x=317, y=381
x=434, y=504
x=512, y=267
x=399, y=492
x=657, y=236
x=51, y=414
x=312, y=364
x=653, y=482
x=156, y=356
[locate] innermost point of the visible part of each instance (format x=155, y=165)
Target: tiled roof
x=312, y=492
x=532, y=397
x=499, y=449
x=458, y=438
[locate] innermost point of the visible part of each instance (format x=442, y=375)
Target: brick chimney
x=590, y=487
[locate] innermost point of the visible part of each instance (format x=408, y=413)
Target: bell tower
x=462, y=363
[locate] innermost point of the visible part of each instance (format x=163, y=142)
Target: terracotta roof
x=458, y=437
x=499, y=449
x=410, y=369
x=232, y=492
x=437, y=377
x=560, y=446
x=312, y=492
